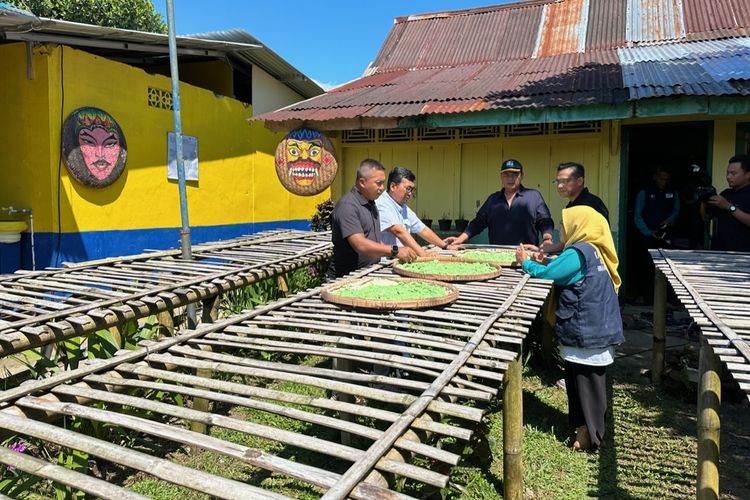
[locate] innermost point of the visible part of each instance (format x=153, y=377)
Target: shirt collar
x=520, y=191
x=361, y=199
x=390, y=198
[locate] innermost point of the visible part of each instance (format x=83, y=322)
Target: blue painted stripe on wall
x=90, y=245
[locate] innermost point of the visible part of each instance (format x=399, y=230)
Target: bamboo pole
x=158, y=467
x=513, y=432
x=660, y=326
x=709, y=424
x=62, y=475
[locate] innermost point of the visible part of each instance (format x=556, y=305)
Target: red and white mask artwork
x=306, y=162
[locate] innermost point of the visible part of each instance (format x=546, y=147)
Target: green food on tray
x=393, y=290
x=448, y=268
x=502, y=257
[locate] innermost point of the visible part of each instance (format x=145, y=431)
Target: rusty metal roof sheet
x=547, y=53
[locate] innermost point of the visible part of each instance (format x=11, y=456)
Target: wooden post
x=166, y=323
x=660, y=326
x=513, y=432
x=709, y=424
x=283, y=286
x=344, y=365
x=209, y=314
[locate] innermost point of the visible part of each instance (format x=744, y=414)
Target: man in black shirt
x=570, y=182
x=513, y=215
x=732, y=208
x=355, y=225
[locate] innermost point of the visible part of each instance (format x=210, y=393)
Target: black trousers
x=587, y=398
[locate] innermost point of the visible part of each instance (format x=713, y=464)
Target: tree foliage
x=128, y=14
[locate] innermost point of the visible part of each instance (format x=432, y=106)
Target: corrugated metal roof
x=654, y=20
x=480, y=35
x=239, y=44
x=703, y=16
x=545, y=53
x=695, y=68
x=563, y=28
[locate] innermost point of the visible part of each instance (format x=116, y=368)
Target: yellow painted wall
x=237, y=183
x=27, y=157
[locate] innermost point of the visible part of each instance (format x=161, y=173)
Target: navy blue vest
x=588, y=314
x=657, y=206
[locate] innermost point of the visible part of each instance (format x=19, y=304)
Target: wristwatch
x=732, y=208
x=394, y=250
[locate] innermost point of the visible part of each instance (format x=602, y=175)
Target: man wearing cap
x=355, y=225
x=513, y=215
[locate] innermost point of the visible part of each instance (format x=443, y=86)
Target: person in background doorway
x=355, y=225
x=513, y=215
x=589, y=325
x=731, y=208
x=656, y=209
x=397, y=221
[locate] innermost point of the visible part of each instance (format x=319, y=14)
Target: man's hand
x=450, y=239
x=719, y=201
x=521, y=254
x=454, y=247
x=530, y=247
x=406, y=254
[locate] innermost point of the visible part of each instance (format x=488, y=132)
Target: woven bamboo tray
x=329, y=294
x=449, y=277
x=462, y=255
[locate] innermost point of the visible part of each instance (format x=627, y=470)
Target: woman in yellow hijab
x=589, y=324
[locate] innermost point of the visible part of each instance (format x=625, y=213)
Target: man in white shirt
x=397, y=221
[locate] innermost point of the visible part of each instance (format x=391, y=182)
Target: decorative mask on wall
x=94, y=147
x=306, y=162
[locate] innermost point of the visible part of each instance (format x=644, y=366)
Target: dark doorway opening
x=680, y=148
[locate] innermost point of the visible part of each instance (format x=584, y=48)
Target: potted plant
x=426, y=220
x=444, y=223
x=461, y=223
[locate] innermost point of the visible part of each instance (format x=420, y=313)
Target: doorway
x=684, y=150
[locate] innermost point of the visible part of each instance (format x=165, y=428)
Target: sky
x=330, y=41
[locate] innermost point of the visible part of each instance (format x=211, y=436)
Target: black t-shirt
x=732, y=234
x=352, y=214
x=586, y=198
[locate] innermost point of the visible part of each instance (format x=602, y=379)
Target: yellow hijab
x=582, y=223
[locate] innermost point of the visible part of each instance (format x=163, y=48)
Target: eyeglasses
x=557, y=182
x=411, y=189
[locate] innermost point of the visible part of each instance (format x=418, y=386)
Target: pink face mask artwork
x=100, y=150
x=94, y=147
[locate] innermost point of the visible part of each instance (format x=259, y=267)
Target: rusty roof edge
x=472, y=11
